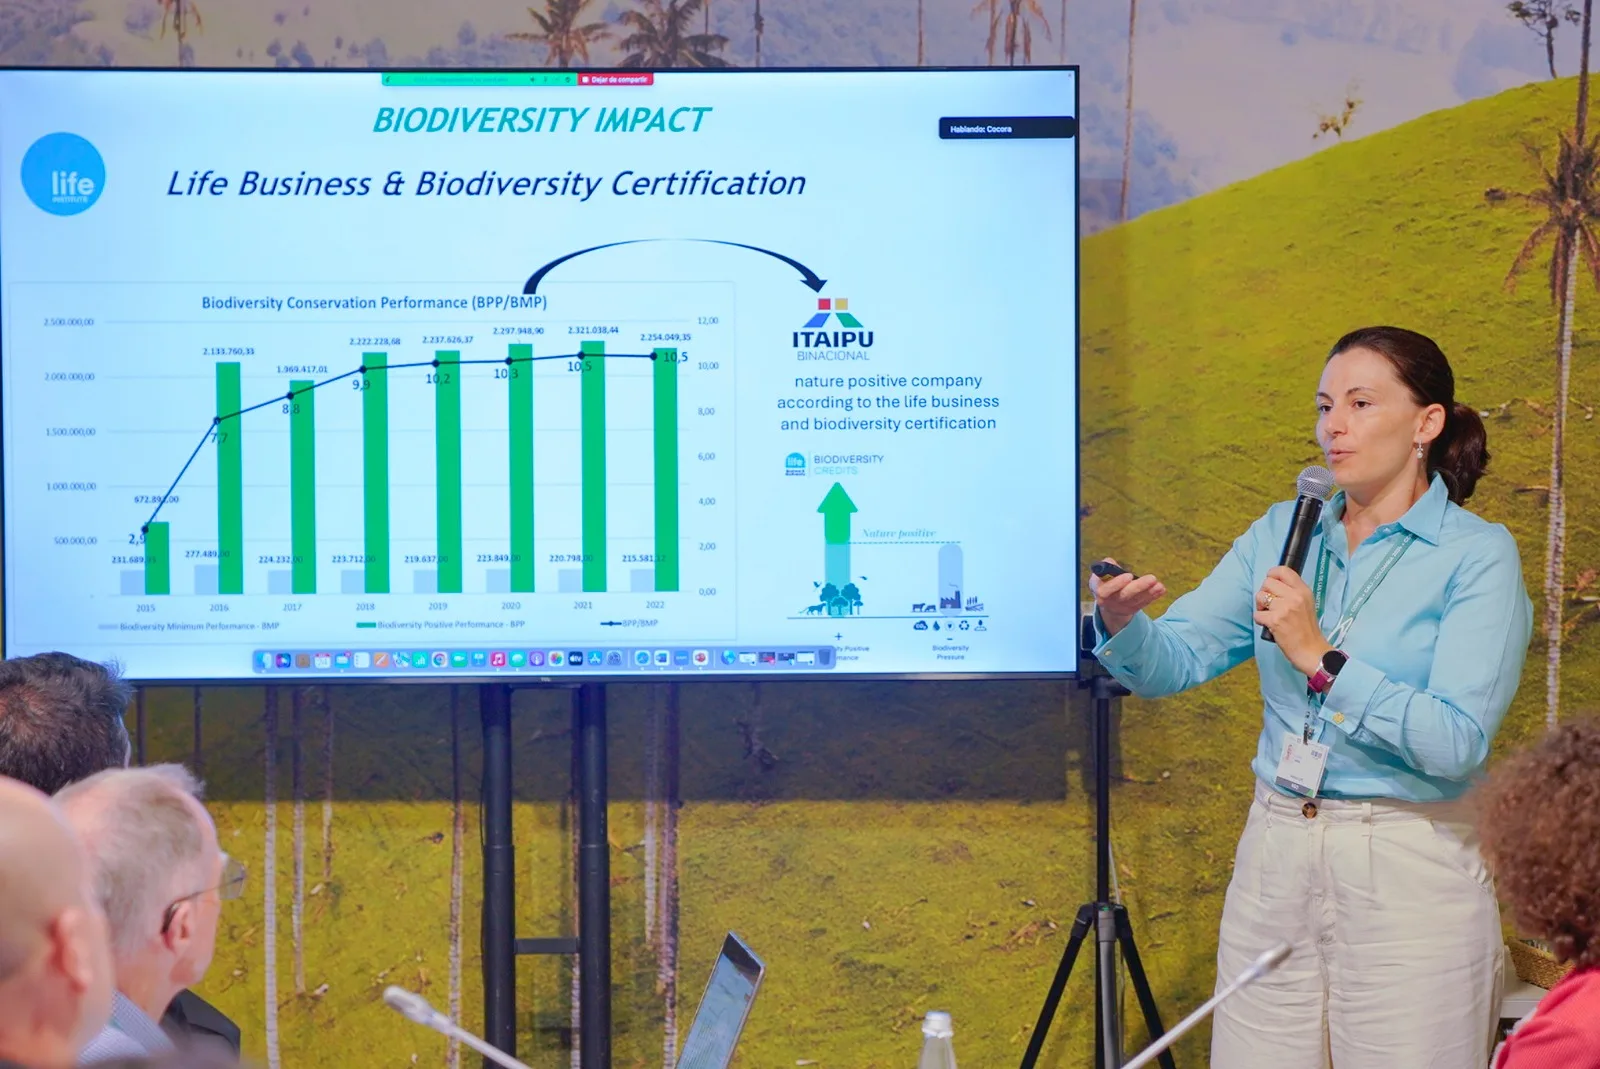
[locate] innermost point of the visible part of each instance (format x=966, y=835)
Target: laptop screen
x=723, y=1008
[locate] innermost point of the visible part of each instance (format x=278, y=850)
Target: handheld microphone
x=1258, y=968
x=1313, y=487
x=414, y=1007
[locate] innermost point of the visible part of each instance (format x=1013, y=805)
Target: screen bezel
x=575, y=678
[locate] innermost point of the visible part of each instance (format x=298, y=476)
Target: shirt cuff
x=1120, y=652
x=1351, y=694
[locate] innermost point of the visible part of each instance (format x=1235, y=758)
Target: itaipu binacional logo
x=63, y=174
x=816, y=341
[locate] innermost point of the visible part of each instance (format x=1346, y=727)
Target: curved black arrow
x=807, y=276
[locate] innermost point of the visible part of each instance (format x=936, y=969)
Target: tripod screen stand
x=1107, y=919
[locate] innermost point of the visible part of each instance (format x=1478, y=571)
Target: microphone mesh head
x=1316, y=481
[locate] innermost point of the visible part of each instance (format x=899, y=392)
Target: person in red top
x=1539, y=818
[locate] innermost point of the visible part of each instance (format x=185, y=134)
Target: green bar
x=401, y=78
x=666, y=439
x=303, y=485
x=594, y=465
x=366, y=623
x=520, y=381
x=157, y=560
x=375, y=468
x=230, y=483
x=447, y=436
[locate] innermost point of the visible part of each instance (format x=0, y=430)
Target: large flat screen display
x=321, y=375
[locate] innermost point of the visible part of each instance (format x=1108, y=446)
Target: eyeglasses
x=231, y=887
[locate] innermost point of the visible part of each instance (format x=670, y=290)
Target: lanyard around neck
x=1337, y=636
x=1340, y=630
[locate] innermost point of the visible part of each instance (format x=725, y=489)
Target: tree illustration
x=827, y=594
x=1569, y=201
x=182, y=16
x=852, y=594
x=658, y=36
x=1127, y=115
x=562, y=31
x=1338, y=122
x=992, y=8
x=1544, y=17
x=1017, y=18
x=761, y=26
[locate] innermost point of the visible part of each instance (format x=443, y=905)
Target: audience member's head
x=158, y=872
x=55, y=965
x=60, y=719
x=1539, y=818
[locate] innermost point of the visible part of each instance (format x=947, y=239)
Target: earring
x=1420, y=451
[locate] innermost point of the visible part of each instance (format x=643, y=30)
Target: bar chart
x=418, y=464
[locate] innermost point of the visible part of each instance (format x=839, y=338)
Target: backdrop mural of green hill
x=891, y=847
x=895, y=847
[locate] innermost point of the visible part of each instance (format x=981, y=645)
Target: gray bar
x=425, y=581
x=353, y=581
x=205, y=578
x=132, y=582
x=498, y=580
x=642, y=580
x=950, y=568
x=569, y=581
x=280, y=581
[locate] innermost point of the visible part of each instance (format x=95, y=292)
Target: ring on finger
x=1266, y=599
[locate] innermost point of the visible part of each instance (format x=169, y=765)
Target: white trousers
x=1397, y=956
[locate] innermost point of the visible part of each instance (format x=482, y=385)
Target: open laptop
x=723, y=1008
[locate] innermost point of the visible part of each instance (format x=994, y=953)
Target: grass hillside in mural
x=893, y=851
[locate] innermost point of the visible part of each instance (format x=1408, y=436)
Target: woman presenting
x=1390, y=674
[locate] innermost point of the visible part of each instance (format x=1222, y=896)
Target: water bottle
x=937, y=1053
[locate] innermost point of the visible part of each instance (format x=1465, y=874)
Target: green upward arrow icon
x=836, y=509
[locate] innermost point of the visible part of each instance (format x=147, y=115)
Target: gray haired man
x=161, y=878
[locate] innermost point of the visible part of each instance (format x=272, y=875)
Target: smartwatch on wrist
x=1327, y=671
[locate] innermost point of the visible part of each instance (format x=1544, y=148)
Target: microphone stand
x=1263, y=965
x=1109, y=919
x=415, y=1009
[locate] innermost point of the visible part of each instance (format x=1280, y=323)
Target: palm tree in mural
x=991, y=8
x=562, y=31
x=182, y=16
x=761, y=27
x=1127, y=115
x=1568, y=197
x=658, y=36
x=1019, y=29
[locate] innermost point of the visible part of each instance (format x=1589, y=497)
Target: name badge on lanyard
x=1304, y=763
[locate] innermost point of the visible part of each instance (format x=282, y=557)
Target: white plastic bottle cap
x=937, y=1025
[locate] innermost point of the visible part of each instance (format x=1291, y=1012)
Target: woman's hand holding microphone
x=1284, y=603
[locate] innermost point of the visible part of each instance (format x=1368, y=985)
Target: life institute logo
x=816, y=341
x=63, y=174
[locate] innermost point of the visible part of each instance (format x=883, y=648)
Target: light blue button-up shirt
x=1435, y=656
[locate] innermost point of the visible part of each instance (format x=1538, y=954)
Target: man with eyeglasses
x=61, y=720
x=161, y=878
